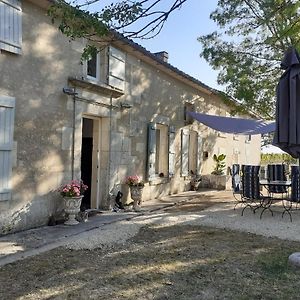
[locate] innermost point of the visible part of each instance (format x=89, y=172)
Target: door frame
x=95, y=182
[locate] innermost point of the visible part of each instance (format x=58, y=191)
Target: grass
x=173, y=262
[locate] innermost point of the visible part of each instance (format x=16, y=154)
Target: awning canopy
x=234, y=125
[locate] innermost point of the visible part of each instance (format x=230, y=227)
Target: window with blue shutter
x=160, y=157
x=116, y=68
x=199, y=156
x=193, y=152
x=11, y=26
x=171, y=151
x=7, y=111
x=184, y=152
x=151, y=163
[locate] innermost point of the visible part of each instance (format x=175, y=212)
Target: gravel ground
x=167, y=255
x=220, y=215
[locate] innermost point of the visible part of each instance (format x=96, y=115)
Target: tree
x=83, y=19
x=249, y=46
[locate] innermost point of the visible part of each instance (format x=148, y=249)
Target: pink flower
x=74, y=188
x=134, y=180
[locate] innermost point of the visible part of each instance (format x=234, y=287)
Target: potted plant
x=136, y=185
x=72, y=194
x=220, y=164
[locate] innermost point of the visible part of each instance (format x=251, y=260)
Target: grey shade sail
x=234, y=125
x=287, y=133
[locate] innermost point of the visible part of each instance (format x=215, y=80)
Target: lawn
x=161, y=262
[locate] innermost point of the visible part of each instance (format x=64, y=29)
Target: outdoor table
x=283, y=183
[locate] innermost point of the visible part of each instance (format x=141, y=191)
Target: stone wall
x=44, y=124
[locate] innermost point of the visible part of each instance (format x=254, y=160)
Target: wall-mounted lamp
x=125, y=105
x=69, y=91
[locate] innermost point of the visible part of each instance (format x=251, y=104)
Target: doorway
x=87, y=160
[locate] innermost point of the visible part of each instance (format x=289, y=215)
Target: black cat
x=119, y=203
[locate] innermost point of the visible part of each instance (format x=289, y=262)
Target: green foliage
x=220, y=164
x=75, y=20
x=274, y=158
x=249, y=46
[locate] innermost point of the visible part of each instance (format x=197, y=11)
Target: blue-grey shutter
x=116, y=68
x=11, y=26
x=7, y=111
x=199, y=154
x=171, y=151
x=184, y=152
x=151, y=150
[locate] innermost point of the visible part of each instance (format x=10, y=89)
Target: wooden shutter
x=7, y=110
x=116, y=72
x=11, y=26
x=151, y=150
x=199, y=154
x=171, y=151
x=184, y=152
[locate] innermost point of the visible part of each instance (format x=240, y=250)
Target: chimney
x=163, y=55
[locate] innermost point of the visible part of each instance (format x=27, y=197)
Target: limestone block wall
x=43, y=128
x=43, y=119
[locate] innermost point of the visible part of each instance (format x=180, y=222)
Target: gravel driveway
x=220, y=215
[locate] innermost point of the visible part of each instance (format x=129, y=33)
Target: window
x=161, y=154
x=7, y=109
x=11, y=26
x=193, y=156
x=161, y=162
x=93, y=67
x=191, y=147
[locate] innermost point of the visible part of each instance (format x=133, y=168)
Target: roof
x=164, y=66
x=153, y=59
x=167, y=65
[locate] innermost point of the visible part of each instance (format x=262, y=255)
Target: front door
x=87, y=160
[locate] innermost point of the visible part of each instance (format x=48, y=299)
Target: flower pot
x=72, y=208
x=136, y=193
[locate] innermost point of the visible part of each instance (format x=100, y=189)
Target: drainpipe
x=73, y=136
x=110, y=152
x=72, y=92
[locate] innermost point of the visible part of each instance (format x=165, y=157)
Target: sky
x=179, y=37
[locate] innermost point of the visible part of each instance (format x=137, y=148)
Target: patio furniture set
x=262, y=194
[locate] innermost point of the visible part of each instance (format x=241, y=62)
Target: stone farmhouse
x=121, y=113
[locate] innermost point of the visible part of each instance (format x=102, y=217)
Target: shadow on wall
x=42, y=112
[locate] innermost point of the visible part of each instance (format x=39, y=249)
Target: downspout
x=110, y=153
x=73, y=136
x=70, y=91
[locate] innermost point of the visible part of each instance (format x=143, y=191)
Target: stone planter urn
x=136, y=193
x=72, y=208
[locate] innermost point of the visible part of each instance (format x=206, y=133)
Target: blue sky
x=179, y=39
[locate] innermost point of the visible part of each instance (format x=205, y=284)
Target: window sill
x=96, y=86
